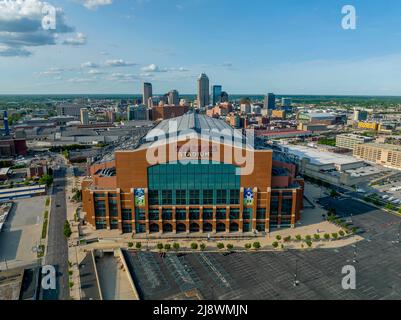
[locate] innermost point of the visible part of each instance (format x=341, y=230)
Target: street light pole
x=354, y=260
x=296, y=282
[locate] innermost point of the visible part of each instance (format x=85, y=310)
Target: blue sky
x=248, y=46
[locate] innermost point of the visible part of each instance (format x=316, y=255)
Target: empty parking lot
x=270, y=275
x=22, y=231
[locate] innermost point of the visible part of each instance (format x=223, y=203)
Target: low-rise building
x=384, y=154
x=332, y=168
x=368, y=125
x=350, y=141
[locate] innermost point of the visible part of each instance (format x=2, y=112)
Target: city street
x=57, y=251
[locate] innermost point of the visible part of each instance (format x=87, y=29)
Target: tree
x=334, y=235
x=220, y=245
x=298, y=237
x=230, y=246
x=167, y=246
x=138, y=245
x=248, y=246
x=176, y=246
x=341, y=233
x=130, y=244
x=308, y=238
x=317, y=237
x=46, y=179
x=278, y=237
x=309, y=243
x=389, y=206
x=287, y=239
x=194, y=246
x=275, y=244
x=202, y=246
x=67, y=229
x=326, y=236
x=159, y=246
x=256, y=245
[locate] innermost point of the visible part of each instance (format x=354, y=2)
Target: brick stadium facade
x=205, y=195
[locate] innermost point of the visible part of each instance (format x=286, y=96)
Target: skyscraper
x=84, y=116
x=173, y=98
x=6, y=126
x=216, y=93
x=203, y=91
x=147, y=92
x=224, y=97
x=270, y=101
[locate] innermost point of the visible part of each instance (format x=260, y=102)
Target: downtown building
x=192, y=175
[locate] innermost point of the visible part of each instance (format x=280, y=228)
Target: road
x=57, y=251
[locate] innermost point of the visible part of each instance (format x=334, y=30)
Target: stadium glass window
x=194, y=197
x=261, y=213
x=153, y=198
x=114, y=224
x=154, y=215
x=206, y=178
x=180, y=214
x=167, y=197
x=167, y=214
x=234, y=213
x=126, y=214
x=221, y=214
x=208, y=197
x=207, y=214
x=181, y=197
x=194, y=214
x=286, y=206
x=101, y=224
x=234, y=196
x=274, y=206
x=221, y=196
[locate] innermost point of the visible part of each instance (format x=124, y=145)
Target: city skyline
x=113, y=47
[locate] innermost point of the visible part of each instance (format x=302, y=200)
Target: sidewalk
x=75, y=255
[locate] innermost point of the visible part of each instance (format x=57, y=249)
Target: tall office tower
x=360, y=115
x=216, y=94
x=173, y=98
x=147, y=92
x=6, y=126
x=203, y=91
x=110, y=116
x=286, y=102
x=270, y=101
x=224, y=97
x=84, y=116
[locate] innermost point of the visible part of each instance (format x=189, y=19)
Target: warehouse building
x=193, y=180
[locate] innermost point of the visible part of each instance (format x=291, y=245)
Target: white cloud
x=94, y=4
x=153, y=68
x=89, y=64
x=80, y=80
x=95, y=72
x=52, y=72
x=121, y=77
x=78, y=40
x=118, y=63
x=21, y=27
